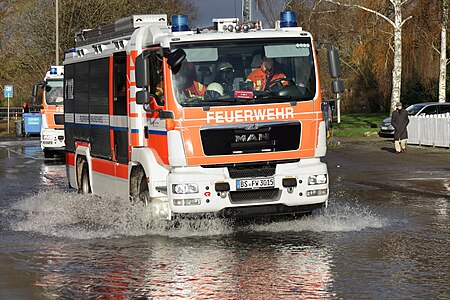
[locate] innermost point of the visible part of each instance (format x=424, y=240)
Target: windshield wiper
x=215, y=102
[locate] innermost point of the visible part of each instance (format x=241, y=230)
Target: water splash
x=338, y=217
x=68, y=214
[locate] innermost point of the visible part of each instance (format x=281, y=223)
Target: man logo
x=252, y=127
x=244, y=138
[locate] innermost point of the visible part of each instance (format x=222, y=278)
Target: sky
x=209, y=9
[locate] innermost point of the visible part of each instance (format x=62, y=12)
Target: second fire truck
x=52, y=111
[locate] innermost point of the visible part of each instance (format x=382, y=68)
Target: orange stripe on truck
x=103, y=166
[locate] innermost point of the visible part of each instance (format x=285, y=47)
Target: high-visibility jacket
x=160, y=90
x=259, y=77
x=195, y=90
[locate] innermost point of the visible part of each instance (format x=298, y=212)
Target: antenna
x=246, y=11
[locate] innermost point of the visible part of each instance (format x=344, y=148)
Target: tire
x=143, y=195
x=84, y=186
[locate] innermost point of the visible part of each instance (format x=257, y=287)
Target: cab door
x=156, y=132
x=119, y=122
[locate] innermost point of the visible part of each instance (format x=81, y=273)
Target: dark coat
x=400, y=120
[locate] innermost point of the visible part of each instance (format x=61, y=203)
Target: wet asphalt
x=385, y=235
x=373, y=162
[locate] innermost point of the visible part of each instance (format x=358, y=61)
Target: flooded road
x=385, y=234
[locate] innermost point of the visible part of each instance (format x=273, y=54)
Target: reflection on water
x=161, y=267
x=53, y=174
x=85, y=247
x=32, y=150
x=107, y=247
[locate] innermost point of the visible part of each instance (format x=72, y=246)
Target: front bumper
x=52, y=139
x=277, y=199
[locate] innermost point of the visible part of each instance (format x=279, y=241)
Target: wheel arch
x=145, y=163
x=82, y=155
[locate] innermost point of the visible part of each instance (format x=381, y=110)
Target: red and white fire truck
x=52, y=111
x=167, y=115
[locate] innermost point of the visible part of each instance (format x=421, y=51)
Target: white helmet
x=213, y=91
x=217, y=87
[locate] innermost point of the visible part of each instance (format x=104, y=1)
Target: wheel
x=143, y=194
x=84, y=186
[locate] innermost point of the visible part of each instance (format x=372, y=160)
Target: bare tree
x=27, y=31
x=397, y=23
x=270, y=9
x=443, y=60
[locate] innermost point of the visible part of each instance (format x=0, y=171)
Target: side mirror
x=334, y=64
x=142, y=70
x=174, y=59
x=142, y=97
x=35, y=90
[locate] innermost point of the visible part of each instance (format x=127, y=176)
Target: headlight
x=185, y=188
x=317, y=179
x=313, y=193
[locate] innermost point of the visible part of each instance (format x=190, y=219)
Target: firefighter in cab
x=187, y=83
x=225, y=76
x=265, y=75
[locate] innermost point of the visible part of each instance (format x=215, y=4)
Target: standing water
x=369, y=243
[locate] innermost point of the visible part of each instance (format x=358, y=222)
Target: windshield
x=245, y=72
x=414, y=109
x=54, y=92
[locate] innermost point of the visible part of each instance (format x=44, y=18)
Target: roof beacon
x=53, y=71
x=288, y=19
x=180, y=23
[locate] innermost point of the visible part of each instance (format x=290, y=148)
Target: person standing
x=399, y=121
x=25, y=108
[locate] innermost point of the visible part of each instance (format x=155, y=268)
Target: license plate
x=383, y=128
x=256, y=183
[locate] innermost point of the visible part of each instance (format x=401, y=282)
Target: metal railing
x=430, y=130
x=14, y=113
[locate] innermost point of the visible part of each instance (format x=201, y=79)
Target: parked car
x=419, y=109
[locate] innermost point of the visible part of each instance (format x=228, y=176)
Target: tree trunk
x=443, y=59
x=397, y=70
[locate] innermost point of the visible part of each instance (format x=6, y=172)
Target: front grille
x=59, y=119
x=251, y=171
x=251, y=138
x=262, y=195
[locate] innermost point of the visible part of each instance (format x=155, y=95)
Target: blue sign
x=8, y=91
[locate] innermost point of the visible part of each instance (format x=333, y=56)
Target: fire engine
x=52, y=112
x=166, y=115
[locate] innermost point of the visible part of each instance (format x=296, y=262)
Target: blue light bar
x=53, y=71
x=180, y=23
x=288, y=19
